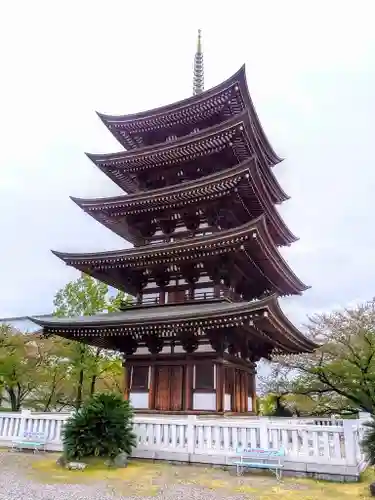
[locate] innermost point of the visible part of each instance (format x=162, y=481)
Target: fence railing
x=325, y=446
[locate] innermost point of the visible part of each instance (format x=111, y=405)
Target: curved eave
x=156, y=314
x=103, y=158
x=282, y=320
x=121, y=228
x=256, y=228
x=178, y=105
x=128, y=122
x=121, y=167
x=271, y=154
x=265, y=311
x=158, y=194
x=285, y=234
x=161, y=248
x=173, y=195
x=278, y=260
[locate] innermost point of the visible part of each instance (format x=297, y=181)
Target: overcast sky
x=311, y=72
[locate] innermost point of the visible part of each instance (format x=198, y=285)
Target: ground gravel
x=16, y=485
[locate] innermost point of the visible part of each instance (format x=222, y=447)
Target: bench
x=35, y=441
x=258, y=458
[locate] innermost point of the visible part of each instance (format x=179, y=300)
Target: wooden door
x=240, y=391
x=169, y=388
x=162, y=392
x=176, y=296
x=176, y=387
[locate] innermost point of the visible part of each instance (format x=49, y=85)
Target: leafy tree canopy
x=339, y=377
x=85, y=297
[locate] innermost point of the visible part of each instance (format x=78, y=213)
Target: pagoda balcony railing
x=198, y=295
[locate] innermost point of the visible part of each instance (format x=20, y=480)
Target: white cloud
x=311, y=72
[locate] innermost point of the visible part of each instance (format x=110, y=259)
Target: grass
x=120, y=480
x=145, y=478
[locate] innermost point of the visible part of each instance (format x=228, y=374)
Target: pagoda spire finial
x=198, y=80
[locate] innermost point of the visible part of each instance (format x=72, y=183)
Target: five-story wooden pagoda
x=205, y=269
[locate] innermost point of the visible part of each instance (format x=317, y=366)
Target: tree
x=274, y=388
x=85, y=297
x=103, y=427
x=54, y=389
x=16, y=367
x=28, y=368
x=339, y=377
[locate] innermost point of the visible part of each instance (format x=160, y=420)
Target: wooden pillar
x=245, y=391
x=239, y=391
x=220, y=386
x=253, y=393
x=126, y=381
x=152, y=388
x=234, y=390
x=188, y=400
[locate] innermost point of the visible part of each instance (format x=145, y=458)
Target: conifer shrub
x=368, y=442
x=102, y=427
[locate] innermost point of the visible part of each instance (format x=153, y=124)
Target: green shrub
x=102, y=427
x=368, y=442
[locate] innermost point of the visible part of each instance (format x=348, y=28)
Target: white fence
x=323, y=447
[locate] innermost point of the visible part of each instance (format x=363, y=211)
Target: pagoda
x=205, y=269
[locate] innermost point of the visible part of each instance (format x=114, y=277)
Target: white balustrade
x=326, y=446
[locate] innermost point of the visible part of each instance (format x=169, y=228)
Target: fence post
x=24, y=415
x=263, y=433
x=190, y=434
x=350, y=442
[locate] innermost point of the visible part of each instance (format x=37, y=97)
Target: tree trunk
x=94, y=377
x=79, y=390
x=92, y=386
x=13, y=399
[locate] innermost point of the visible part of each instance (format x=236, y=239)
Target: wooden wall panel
x=188, y=394
x=219, y=387
x=139, y=381
x=240, y=391
x=204, y=377
x=229, y=380
x=176, y=296
x=151, y=394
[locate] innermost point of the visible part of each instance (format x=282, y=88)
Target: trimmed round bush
x=103, y=427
